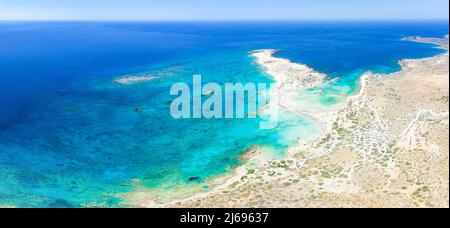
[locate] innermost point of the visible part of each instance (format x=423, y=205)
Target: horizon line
x=228, y=20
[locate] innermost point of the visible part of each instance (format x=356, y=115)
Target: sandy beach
x=292, y=82
x=286, y=73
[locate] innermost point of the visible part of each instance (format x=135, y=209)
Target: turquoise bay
x=70, y=137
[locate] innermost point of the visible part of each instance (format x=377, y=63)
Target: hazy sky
x=222, y=9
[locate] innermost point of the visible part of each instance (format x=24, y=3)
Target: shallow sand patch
x=134, y=79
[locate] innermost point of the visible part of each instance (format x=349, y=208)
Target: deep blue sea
x=70, y=137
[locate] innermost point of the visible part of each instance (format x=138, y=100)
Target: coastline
x=292, y=78
x=325, y=172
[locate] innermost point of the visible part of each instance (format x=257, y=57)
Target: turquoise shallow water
x=70, y=137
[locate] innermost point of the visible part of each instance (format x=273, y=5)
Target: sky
x=223, y=9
